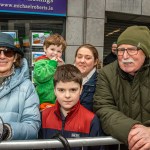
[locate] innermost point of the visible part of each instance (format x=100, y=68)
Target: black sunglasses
x=7, y=52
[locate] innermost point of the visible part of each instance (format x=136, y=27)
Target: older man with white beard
x=122, y=98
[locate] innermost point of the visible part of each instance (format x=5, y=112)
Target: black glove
x=6, y=132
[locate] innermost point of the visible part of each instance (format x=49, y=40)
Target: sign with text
x=42, y=7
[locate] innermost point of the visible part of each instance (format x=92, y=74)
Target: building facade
x=100, y=22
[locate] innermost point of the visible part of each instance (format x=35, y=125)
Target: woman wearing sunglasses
x=18, y=100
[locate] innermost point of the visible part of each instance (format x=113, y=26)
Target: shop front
x=29, y=22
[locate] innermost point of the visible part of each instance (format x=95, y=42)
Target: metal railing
x=53, y=143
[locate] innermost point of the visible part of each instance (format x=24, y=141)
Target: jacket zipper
x=63, y=125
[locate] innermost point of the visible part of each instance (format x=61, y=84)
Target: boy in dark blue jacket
x=68, y=117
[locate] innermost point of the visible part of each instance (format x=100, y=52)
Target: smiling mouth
x=3, y=63
x=82, y=67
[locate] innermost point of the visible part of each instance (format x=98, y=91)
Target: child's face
x=53, y=51
x=68, y=94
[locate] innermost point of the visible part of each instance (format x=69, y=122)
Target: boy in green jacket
x=45, y=67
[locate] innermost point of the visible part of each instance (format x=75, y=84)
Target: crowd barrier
x=54, y=143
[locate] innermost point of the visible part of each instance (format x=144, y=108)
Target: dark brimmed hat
x=7, y=40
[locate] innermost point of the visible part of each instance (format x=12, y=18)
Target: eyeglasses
x=7, y=52
x=130, y=50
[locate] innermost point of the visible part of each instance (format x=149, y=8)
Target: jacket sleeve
x=114, y=122
x=95, y=131
x=44, y=70
x=29, y=124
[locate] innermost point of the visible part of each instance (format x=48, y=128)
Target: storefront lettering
x=42, y=1
x=42, y=7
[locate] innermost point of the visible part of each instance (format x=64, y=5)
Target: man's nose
x=125, y=54
x=67, y=94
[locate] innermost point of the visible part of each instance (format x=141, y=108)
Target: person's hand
x=60, y=61
x=139, y=138
x=6, y=132
x=54, y=58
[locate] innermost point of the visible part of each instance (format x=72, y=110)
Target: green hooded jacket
x=43, y=76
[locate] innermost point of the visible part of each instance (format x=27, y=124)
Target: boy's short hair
x=67, y=73
x=55, y=39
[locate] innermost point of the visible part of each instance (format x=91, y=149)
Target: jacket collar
x=92, y=80
x=129, y=77
x=87, y=78
x=72, y=112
